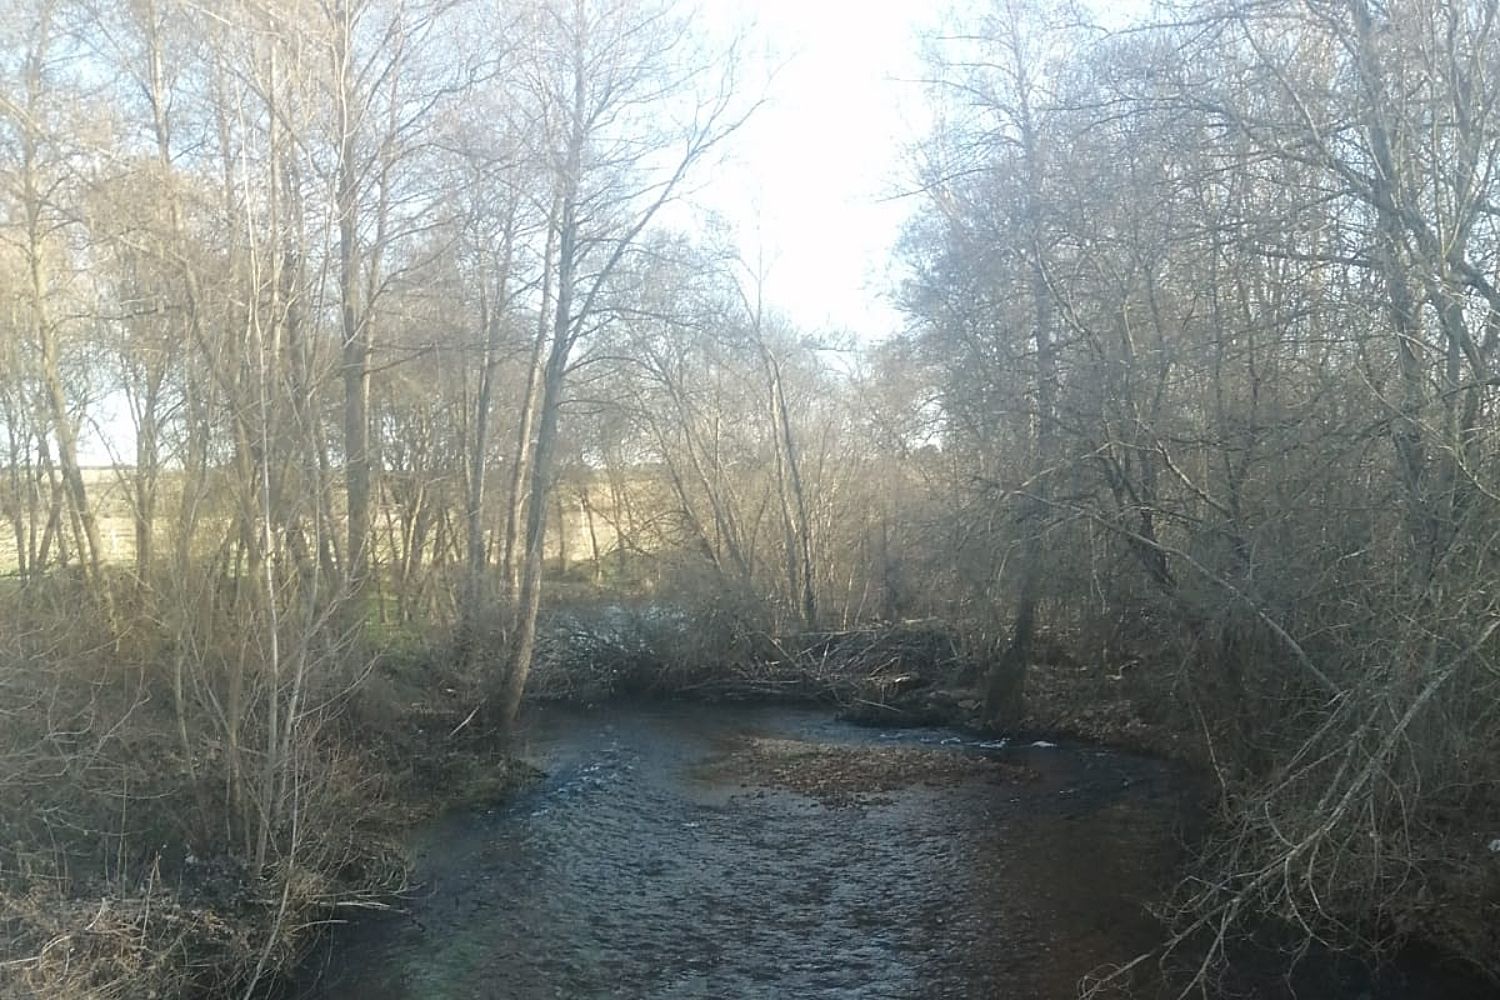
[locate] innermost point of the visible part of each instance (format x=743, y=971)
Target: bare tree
x=603, y=70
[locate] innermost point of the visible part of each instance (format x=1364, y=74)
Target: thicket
x=1209, y=308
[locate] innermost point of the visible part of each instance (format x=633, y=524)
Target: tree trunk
x=515, y=507
x=1005, y=692
x=491, y=317
x=354, y=324
x=44, y=331
x=524, y=646
x=530, y=594
x=793, y=498
x=588, y=520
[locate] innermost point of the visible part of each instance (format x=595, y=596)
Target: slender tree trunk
x=54, y=532
x=491, y=320
x=530, y=593
x=536, y=531
x=1005, y=692
x=588, y=520
x=562, y=532
x=44, y=330
x=62, y=428
x=17, y=505
x=145, y=484
x=793, y=497
x=353, y=319
x=515, y=507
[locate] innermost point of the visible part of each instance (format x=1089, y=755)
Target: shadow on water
x=658, y=860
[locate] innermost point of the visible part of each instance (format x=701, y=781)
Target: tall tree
x=633, y=104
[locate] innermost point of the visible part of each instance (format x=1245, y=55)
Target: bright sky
x=816, y=170
x=811, y=182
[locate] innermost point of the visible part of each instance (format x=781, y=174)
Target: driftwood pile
x=899, y=672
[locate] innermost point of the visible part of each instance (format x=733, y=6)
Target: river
x=705, y=852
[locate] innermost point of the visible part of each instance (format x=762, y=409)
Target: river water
x=685, y=851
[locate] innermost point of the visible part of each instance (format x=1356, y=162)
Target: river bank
x=126, y=867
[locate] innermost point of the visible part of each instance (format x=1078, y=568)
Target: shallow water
x=629, y=873
x=650, y=863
